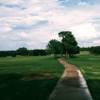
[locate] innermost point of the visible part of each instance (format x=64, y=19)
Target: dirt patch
x=37, y=76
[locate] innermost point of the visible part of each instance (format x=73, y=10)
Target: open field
x=28, y=78
x=90, y=67
x=33, y=78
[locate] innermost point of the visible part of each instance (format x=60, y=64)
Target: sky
x=32, y=23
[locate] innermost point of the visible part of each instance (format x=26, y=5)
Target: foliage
x=95, y=50
x=39, y=52
x=85, y=48
x=7, y=53
x=24, y=52
x=69, y=43
x=54, y=46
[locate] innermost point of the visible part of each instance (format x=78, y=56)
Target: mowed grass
x=28, y=78
x=90, y=67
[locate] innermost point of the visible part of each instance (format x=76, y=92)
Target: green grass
x=90, y=67
x=28, y=78
x=84, y=53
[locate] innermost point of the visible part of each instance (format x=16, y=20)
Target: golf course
x=49, y=49
x=28, y=78
x=34, y=78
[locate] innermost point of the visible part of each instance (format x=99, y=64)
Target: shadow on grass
x=94, y=86
x=14, y=87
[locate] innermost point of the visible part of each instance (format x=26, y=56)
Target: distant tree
x=13, y=53
x=70, y=45
x=39, y=52
x=3, y=53
x=95, y=50
x=84, y=48
x=22, y=51
x=7, y=53
x=55, y=47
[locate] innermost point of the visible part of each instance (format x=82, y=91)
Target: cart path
x=72, y=85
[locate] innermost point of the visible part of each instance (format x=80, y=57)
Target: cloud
x=88, y=37
x=10, y=1
x=83, y=3
x=32, y=24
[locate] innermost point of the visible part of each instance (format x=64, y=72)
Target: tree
x=22, y=51
x=95, y=50
x=54, y=47
x=69, y=42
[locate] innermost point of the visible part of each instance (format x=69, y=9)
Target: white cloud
x=83, y=3
x=10, y=1
x=5, y=29
x=84, y=31
x=42, y=20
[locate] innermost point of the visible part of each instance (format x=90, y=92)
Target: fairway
x=90, y=67
x=28, y=78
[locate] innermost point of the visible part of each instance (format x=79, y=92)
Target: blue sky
x=33, y=23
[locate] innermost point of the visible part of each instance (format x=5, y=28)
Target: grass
x=90, y=67
x=28, y=78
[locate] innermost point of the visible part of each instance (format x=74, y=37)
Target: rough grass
x=90, y=67
x=28, y=78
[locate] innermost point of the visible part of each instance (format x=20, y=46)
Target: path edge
x=81, y=79
x=84, y=84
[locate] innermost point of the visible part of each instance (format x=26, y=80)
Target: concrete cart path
x=71, y=86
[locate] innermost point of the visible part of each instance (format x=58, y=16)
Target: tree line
x=24, y=52
x=93, y=50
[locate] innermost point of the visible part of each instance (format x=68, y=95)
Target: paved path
x=71, y=86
